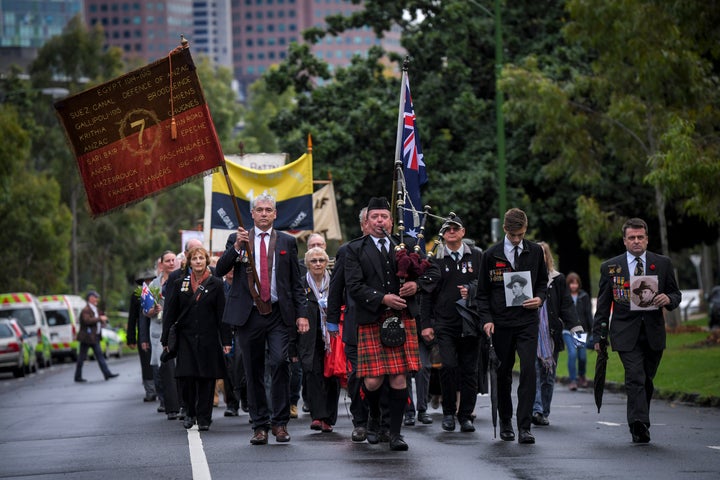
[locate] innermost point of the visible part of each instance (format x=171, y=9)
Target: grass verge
x=688, y=371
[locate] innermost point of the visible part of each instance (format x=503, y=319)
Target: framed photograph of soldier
x=518, y=288
x=643, y=289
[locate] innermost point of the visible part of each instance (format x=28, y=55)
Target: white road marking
x=610, y=424
x=714, y=447
x=200, y=468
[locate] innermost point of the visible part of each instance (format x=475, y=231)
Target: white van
x=25, y=308
x=63, y=317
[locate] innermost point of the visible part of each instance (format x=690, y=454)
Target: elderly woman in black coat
x=323, y=392
x=197, y=306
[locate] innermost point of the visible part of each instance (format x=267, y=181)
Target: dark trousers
x=323, y=393
x=641, y=364
x=99, y=357
x=169, y=388
x=507, y=341
x=252, y=337
x=198, y=396
x=231, y=399
x=236, y=371
x=145, y=368
x=459, y=372
x=297, y=380
x=358, y=408
x=422, y=382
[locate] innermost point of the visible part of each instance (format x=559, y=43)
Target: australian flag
x=413, y=166
x=147, y=300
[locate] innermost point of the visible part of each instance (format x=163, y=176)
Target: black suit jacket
x=364, y=280
x=291, y=296
x=614, y=295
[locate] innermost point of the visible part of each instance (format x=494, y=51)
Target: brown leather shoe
x=260, y=437
x=281, y=433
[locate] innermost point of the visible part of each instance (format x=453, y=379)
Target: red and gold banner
x=123, y=137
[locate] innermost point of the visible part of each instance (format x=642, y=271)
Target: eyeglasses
x=453, y=229
x=317, y=260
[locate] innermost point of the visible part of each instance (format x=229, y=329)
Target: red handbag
x=335, y=360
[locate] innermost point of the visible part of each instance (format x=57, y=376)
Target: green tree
x=35, y=224
x=626, y=124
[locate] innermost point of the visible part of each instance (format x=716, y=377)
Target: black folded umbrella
x=493, y=365
x=470, y=318
x=601, y=366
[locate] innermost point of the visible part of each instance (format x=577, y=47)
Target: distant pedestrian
x=89, y=336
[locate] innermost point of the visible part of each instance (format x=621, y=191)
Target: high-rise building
x=212, y=31
x=25, y=26
x=263, y=30
x=145, y=31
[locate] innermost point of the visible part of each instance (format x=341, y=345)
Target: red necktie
x=264, y=277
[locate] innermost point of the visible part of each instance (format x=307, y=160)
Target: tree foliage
x=637, y=124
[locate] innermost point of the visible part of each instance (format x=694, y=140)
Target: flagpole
x=397, y=186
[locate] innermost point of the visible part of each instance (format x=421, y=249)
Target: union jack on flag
x=147, y=300
x=413, y=165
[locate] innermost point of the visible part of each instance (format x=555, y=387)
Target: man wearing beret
x=637, y=335
x=514, y=328
x=379, y=296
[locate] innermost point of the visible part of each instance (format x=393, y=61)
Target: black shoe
x=181, y=414
x=231, y=412
x=203, y=427
x=467, y=425
x=359, y=434
x=640, y=433
x=424, y=418
x=172, y=415
x=384, y=435
x=112, y=375
x=448, y=423
x=506, y=431
x=409, y=419
x=540, y=419
x=372, y=433
x=80, y=380
x=161, y=409
x=397, y=443
x=243, y=406
x=149, y=398
x=526, y=437
x=188, y=422
x=306, y=408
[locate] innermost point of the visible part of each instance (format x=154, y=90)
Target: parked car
x=111, y=344
x=690, y=302
x=25, y=308
x=714, y=307
x=63, y=315
x=17, y=352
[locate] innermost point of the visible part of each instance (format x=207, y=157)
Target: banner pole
x=253, y=279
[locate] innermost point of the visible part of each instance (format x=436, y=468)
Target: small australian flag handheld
x=146, y=298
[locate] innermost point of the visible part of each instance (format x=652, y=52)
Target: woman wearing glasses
x=323, y=392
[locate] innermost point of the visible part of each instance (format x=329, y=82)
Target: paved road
x=51, y=427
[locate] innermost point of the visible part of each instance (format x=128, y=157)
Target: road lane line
x=610, y=424
x=200, y=468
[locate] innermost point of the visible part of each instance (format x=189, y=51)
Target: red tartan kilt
x=376, y=360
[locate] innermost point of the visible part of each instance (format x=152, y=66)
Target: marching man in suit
x=637, y=335
x=276, y=261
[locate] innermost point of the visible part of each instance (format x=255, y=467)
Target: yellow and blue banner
x=291, y=185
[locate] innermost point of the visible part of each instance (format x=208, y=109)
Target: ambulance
x=25, y=308
x=63, y=317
